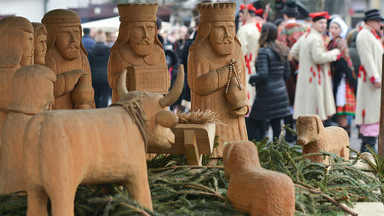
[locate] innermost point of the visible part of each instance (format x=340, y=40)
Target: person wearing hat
x=248, y=36
x=136, y=45
x=343, y=75
x=370, y=48
x=67, y=57
x=314, y=82
x=289, y=35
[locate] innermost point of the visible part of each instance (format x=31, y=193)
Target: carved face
x=68, y=41
x=307, y=129
x=27, y=57
x=222, y=37
x=142, y=37
x=40, y=49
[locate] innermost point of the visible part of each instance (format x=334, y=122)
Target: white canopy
x=107, y=25
x=112, y=24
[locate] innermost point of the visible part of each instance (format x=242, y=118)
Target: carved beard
x=70, y=53
x=143, y=48
x=224, y=48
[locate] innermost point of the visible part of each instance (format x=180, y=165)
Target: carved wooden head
x=138, y=28
x=16, y=42
x=32, y=89
x=240, y=156
x=309, y=129
x=64, y=32
x=40, y=36
x=217, y=24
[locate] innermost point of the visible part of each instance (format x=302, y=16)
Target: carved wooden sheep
x=66, y=148
x=253, y=189
x=312, y=135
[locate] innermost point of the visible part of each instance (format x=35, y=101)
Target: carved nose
x=301, y=142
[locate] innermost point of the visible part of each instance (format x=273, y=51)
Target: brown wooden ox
x=66, y=148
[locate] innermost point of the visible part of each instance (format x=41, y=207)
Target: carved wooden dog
x=312, y=135
x=253, y=189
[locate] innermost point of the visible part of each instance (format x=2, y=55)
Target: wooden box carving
x=154, y=78
x=193, y=140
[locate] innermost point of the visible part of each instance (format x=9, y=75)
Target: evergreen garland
x=179, y=189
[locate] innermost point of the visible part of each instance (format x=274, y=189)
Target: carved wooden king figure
x=16, y=50
x=67, y=57
x=139, y=50
x=214, y=55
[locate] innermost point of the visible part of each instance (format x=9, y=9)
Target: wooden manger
x=193, y=140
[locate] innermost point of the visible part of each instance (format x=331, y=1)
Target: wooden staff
x=381, y=133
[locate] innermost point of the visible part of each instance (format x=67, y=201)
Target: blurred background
x=103, y=14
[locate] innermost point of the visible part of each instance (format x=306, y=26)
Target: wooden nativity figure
x=32, y=92
x=16, y=50
x=254, y=189
x=67, y=57
x=138, y=50
x=216, y=69
x=97, y=146
x=40, y=36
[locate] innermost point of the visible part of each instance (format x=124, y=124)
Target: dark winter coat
x=98, y=60
x=271, y=99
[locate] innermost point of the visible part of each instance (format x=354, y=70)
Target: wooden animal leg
x=62, y=199
x=138, y=189
x=344, y=153
x=37, y=202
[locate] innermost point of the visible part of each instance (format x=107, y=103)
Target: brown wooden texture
x=149, y=78
x=32, y=92
x=16, y=42
x=216, y=72
x=66, y=148
x=381, y=133
x=199, y=136
x=314, y=138
x=40, y=41
x=67, y=57
x=138, y=45
x=191, y=150
x=253, y=189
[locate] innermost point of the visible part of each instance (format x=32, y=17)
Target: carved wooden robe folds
x=138, y=50
x=67, y=57
x=16, y=50
x=32, y=92
x=213, y=55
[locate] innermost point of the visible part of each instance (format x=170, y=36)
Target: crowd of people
x=322, y=67
x=329, y=69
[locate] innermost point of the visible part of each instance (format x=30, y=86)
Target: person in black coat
x=98, y=60
x=271, y=101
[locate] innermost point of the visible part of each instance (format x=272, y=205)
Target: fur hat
x=373, y=14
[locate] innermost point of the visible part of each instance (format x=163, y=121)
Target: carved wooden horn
x=176, y=90
x=121, y=84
